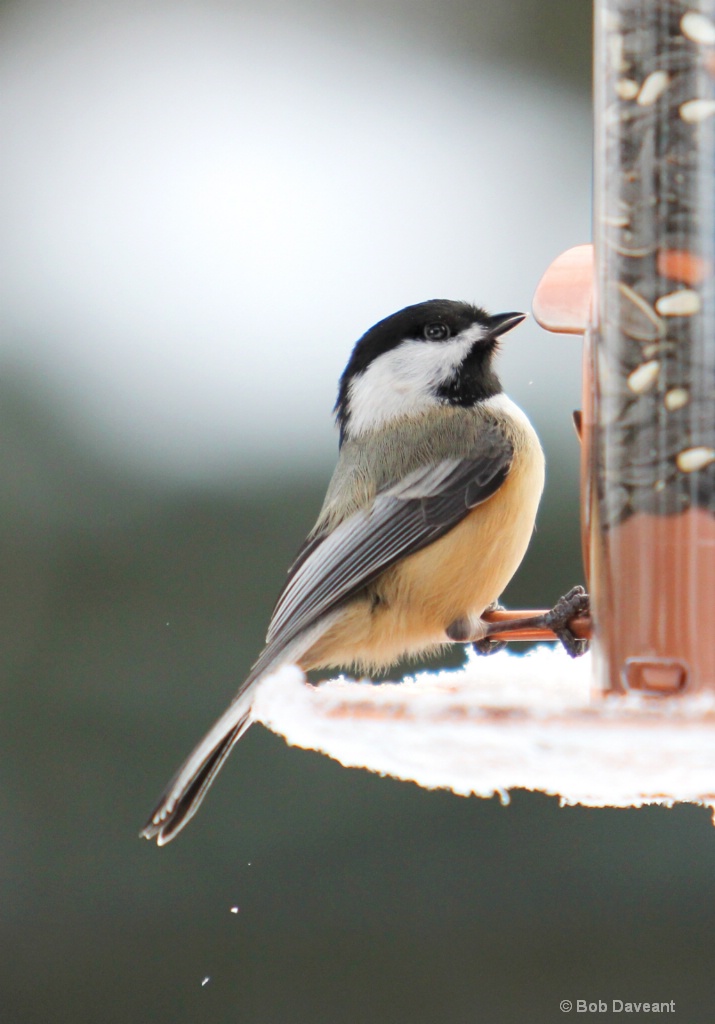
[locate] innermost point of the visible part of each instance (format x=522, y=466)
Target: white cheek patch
x=404, y=381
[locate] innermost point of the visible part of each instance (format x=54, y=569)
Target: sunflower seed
x=676, y=398
x=694, y=111
x=685, y=302
x=627, y=89
x=698, y=28
x=692, y=459
x=653, y=88
x=638, y=319
x=644, y=376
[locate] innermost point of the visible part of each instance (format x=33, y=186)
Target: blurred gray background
x=203, y=205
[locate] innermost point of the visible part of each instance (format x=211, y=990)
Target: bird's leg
x=484, y=645
x=472, y=630
x=554, y=623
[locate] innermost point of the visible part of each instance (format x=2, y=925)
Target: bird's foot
x=568, y=607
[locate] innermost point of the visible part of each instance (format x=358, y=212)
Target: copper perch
x=581, y=627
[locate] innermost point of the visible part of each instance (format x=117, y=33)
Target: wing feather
x=403, y=519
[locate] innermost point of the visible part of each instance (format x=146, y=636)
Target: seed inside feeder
x=638, y=319
x=676, y=398
x=644, y=376
x=692, y=459
x=616, y=220
x=654, y=86
x=686, y=302
x=680, y=264
x=698, y=28
x=627, y=89
x=693, y=111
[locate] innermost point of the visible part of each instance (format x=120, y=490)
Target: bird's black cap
x=410, y=322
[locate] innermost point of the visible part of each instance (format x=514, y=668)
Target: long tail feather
x=183, y=796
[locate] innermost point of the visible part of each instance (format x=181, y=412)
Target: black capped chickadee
x=426, y=519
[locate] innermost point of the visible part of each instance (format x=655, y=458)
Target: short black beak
x=500, y=323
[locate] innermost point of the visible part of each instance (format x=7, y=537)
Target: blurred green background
x=139, y=575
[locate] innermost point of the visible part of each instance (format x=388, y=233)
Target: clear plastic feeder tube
x=651, y=414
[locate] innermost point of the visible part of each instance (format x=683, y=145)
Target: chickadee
x=426, y=519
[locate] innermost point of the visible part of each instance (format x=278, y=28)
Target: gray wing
x=403, y=519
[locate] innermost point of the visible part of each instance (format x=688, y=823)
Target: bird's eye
x=436, y=332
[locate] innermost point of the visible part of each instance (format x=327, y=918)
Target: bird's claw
x=568, y=607
x=485, y=646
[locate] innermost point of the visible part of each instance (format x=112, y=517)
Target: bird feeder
x=648, y=422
